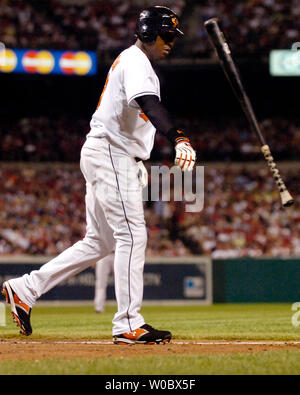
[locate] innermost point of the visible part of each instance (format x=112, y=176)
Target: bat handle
x=286, y=197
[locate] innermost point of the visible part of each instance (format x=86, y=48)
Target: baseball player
x=122, y=133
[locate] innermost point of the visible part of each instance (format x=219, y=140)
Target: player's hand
x=142, y=174
x=185, y=156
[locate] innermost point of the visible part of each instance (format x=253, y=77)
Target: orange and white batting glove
x=185, y=155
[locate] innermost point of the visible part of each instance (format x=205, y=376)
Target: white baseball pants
x=115, y=219
x=103, y=269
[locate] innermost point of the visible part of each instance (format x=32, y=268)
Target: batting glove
x=185, y=156
x=142, y=174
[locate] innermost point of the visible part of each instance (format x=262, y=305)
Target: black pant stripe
x=131, y=235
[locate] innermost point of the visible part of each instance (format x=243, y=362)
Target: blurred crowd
x=42, y=211
x=254, y=26
x=40, y=139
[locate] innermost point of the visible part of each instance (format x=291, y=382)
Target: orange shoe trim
x=21, y=304
x=136, y=334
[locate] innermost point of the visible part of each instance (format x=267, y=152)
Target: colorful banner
x=45, y=62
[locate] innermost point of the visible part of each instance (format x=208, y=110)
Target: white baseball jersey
x=118, y=117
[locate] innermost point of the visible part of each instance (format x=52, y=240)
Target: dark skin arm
x=160, y=118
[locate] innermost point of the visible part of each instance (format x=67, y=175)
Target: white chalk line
x=201, y=343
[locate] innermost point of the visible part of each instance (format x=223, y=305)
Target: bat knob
x=286, y=199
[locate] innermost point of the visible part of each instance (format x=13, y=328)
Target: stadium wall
x=194, y=279
x=256, y=280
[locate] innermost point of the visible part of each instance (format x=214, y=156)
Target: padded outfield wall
x=256, y=280
x=195, y=279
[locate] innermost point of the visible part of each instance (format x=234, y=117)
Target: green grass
x=220, y=321
x=267, y=363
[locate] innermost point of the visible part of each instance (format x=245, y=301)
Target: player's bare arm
x=185, y=156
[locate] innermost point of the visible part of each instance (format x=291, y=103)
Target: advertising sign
x=44, y=62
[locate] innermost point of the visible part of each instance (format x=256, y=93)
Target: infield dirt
x=19, y=349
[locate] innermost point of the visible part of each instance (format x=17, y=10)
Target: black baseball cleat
x=143, y=335
x=19, y=310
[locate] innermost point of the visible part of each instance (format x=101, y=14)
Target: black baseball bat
x=223, y=52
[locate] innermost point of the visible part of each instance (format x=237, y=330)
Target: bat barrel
x=223, y=52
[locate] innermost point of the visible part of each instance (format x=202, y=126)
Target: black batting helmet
x=157, y=21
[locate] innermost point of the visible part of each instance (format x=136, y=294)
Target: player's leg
x=126, y=216
x=70, y=262
x=21, y=293
x=124, y=209
x=102, y=270
x=129, y=268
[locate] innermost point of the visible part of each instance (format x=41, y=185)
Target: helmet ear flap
x=146, y=32
x=147, y=27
